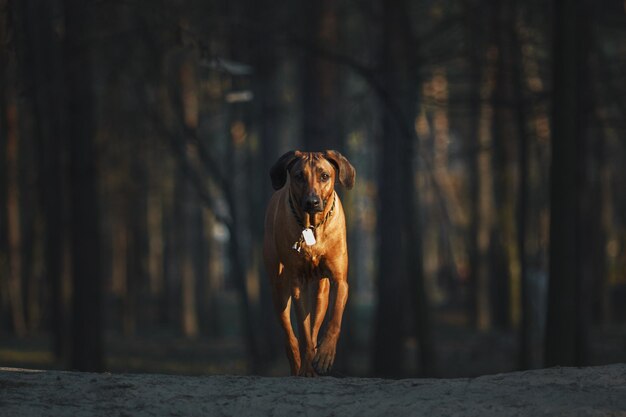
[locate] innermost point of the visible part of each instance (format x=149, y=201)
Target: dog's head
x=312, y=176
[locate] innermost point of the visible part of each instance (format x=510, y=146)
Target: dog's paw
x=307, y=371
x=324, y=357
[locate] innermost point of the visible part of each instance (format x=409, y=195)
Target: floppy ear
x=345, y=171
x=278, y=172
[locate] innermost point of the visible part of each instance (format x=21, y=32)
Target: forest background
x=487, y=229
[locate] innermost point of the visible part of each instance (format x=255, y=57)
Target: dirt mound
x=593, y=391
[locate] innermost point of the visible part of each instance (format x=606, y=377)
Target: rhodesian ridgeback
x=306, y=252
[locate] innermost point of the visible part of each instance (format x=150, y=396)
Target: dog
x=306, y=252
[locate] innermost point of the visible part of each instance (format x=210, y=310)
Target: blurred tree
x=319, y=77
x=12, y=170
x=5, y=85
x=86, y=327
x=473, y=31
x=187, y=235
x=266, y=85
x=14, y=230
x=400, y=251
x=485, y=209
x=188, y=214
x=521, y=119
x=504, y=252
x=42, y=71
x=565, y=332
x=602, y=244
x=390, y=324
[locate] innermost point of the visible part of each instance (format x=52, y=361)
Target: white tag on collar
x=308, y=236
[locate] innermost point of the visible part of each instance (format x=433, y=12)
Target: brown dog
x=305, y=250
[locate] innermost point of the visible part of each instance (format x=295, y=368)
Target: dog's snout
x=313, y=203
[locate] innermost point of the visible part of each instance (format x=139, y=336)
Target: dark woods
x=486, y=230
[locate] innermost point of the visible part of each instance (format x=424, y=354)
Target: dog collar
x=326, y=217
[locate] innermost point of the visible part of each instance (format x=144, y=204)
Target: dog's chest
x=312, y=255
x=309, y=258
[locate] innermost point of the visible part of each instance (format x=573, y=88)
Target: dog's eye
x=299, y=176
x=325, y=177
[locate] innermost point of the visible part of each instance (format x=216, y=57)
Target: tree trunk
x=400, y=252
x=564, y=344
x=266, y=121
x=484, y=205
x=525, y=331
x=475, y=73
x=189, y=224
x=86, y=329
x=4, y=103
x=426, y=358
x=319, y=78
x=504, y=260
x=238, y=244
x=154, y=220
x=210, y=285
x=14, y=228
x=42, y=75
x=11, y=172
x=135, y=215
x=391, y=280
x=168, y=310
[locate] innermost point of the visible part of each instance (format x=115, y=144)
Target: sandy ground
x=593, y=391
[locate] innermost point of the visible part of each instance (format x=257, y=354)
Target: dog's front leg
x=281, y=295
x=322, y=289
x=300, y=296
x=325, y=355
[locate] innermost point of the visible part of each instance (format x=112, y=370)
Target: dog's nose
x=313, y=203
